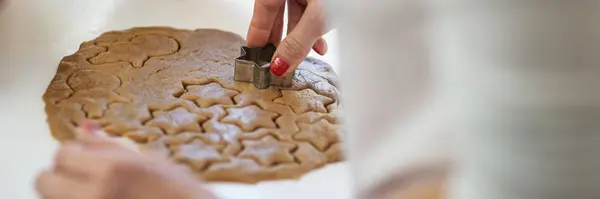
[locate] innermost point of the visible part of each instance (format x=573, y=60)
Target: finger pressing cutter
x=253, y=66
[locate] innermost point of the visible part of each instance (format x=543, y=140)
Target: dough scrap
x=172, y=92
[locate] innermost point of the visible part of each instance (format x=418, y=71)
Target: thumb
x=297, y=44
x=90, y=133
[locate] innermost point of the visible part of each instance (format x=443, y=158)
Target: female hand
x=98, y=168
x=306, y=25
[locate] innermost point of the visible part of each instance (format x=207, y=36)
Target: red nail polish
x=316, y=50
x=279, y=66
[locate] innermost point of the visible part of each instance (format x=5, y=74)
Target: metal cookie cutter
x=253, y=66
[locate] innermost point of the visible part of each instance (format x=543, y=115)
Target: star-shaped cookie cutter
x=253, y=66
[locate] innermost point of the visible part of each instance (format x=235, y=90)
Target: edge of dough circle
x=172, y=92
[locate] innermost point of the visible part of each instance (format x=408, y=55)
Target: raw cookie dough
x=172, y=91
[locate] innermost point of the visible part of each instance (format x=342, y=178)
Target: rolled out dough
x=172, y=91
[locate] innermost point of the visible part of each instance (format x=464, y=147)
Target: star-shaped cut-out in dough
x=321, y=134
x=214, y=112
x=310, y=117
x=252, y=95
x=250, y=118
x=209, y=94
x=120, y=128
x=177, y=120
x=268, y=151
x=278, y=108
x=307, y=154
x=335, y=153
x=157, y=148
x=280, y=134
x=197, y=154
x=287, y=127
x=138, y=50
x=305, y=100
x=236, y=169
x=146, y=134
x=279, y=101
x=95, y=102
x=335, y=111
x=186, y=137
x=259, y=134
x=235, y=164
x=120, y=112
x=229, y=132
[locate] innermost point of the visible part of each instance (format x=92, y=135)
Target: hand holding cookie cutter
x=253, y=66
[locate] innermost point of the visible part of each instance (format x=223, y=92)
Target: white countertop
x=36, y=34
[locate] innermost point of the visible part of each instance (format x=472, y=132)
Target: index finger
x=77, y=159
x=261, y=25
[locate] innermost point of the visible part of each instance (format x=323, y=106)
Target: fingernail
x=317, y=50
x=278, y=66
x=325, y=49
x=89, y=127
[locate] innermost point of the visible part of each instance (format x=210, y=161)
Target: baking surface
x=172, y=91
x=36, y=34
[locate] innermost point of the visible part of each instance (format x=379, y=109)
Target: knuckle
x=293, y=48
x=103, y=190
x=114, y=170
x=271, y=5
x=62, y=154
x=116, y=178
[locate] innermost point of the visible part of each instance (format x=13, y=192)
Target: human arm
x=94, y=167
x=306, y=25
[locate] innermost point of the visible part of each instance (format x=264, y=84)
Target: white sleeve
x=521, y=78
x=518, y=78
x=391, y=117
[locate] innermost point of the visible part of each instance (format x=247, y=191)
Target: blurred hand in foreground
x=95, y=167
x=306, y=25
